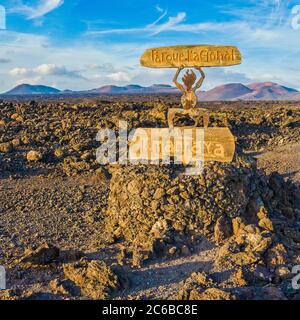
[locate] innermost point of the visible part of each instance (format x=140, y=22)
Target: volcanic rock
x=34, y=156
x=41, y=256
x=6, y=147
x=95, y=279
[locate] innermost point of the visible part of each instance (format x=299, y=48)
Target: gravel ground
x=63, y=198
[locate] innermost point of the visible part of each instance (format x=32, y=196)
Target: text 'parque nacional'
x=191, y=56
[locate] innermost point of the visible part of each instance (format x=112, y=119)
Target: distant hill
x=268, y=91
x=228, y=92
x=134, y=89
x=27, y=89
x=255, y=91
x=295, y=96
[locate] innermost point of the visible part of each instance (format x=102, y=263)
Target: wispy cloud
x=171, y=23
x=267, y=13
x=41, y=8
x=153, y=28
x=178, y=24
x=159, y=8
x=263, y=23
x=105, y=67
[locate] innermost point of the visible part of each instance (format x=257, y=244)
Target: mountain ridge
x=24, y=89
x=224, y=92
x=227, y=92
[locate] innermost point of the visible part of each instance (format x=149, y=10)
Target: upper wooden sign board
x=191, y=56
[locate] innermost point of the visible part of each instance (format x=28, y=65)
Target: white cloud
x=119, y=76
x=35, y=60
x=42, y=8
x=30, y=80
x=53, y=69
x=46, y=70
x=18, y=72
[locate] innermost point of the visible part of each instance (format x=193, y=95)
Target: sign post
x=218, y=143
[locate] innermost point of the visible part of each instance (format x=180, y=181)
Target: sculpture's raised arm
x=200, y=82
x=175, y=80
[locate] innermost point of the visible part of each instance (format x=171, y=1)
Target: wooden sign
x=186, y=145
x=191, y=56
x=219, y=145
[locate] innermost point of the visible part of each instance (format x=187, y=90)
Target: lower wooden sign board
x=186, y=145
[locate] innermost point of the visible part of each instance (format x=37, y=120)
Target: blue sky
x=83, y=44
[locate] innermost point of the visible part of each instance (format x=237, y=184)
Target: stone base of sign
x=196, y=115
x=152, y=209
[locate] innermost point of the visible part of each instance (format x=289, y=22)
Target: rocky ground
x=71, y=229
